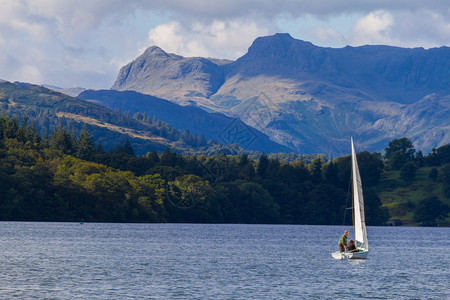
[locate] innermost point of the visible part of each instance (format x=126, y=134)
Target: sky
x=84, y=43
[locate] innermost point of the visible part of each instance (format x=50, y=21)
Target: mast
x=359, y=220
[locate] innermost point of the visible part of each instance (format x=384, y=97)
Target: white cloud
x=62, y=42
x=220, y=39
x=401, y=28
x=424, y=28
x=29, y=73
x=374, y=28
x=328, y=35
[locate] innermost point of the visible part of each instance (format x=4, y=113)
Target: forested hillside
x=63, y=177
x=416, y=189
x=212, y=126
x=49, y=110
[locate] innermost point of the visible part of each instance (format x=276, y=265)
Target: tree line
x=63, y=177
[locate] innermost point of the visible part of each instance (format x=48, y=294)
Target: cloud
x=374, y=28
x=328, y=35
x=29, y=73
x=74, y=42
x=63, y=43
x=231, y=9
x=401, y=28
x=425, y=28
x=220, y=39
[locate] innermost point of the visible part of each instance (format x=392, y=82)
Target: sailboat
x=359, y=219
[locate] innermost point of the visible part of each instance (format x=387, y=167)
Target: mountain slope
x=311, y=98
x=49, y=109
x=212, y=125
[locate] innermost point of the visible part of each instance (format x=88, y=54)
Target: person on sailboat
x=351, y=246
x=343, y=241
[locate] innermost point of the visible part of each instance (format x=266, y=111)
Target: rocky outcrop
x=171, y=76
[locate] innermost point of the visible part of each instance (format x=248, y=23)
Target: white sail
x=358, y=205
x=359, y=219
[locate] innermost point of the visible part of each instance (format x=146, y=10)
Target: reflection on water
x=116, y=261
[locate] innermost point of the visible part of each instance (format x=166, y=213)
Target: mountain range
x=47, y=110
x=147, y=130
x=308, y=98
x=213, y=126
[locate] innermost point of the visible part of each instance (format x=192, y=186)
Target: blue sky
x=84, y=43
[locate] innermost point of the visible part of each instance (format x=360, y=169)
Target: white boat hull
x=350, y=255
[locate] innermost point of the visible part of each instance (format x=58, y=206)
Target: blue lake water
x=192, y=261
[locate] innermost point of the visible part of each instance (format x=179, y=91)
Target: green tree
x=331, y=173
x=273, y=168
x=343, y=165
x=397, y=160
x=408, y=171
x=128, y=149
x=430, y=210
x=399, y=152
x=187, y=191
x=325, y=204
x=258, y=206
x=403, y=145
x=444, y=176
x=191, y=199
x=433, y=175
x=371, y=166
x=11, y=127
x=61, y=139
x=439, y=156
x=315, y=169
x=231, y=202
x=419, y=158
x=84, y=146
x=444, y=154
x=262, y=166
x=376, y=214
x=168, y=158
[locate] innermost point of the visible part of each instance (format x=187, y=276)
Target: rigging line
x=346, y=201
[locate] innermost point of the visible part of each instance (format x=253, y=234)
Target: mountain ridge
x=194, y=119
x=317, y=96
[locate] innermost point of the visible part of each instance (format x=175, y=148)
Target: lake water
x=191, y=261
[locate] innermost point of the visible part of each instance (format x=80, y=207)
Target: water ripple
x=187, y=261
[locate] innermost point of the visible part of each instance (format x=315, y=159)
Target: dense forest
x=63, y=177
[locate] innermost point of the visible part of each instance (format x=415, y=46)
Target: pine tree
x=62, y=140
x=331, y=173
x=262, y=166
x=85, y=147
x=128, y=149
x=315, y=168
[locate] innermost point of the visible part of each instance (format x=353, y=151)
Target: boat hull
x=350, y=255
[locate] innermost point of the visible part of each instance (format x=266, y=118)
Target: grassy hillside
x=48, y=110
x=401, y=197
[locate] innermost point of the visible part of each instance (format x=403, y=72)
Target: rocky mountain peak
x=155, y=51
x=278, y=54
x=157, y=72
x=277, y=44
